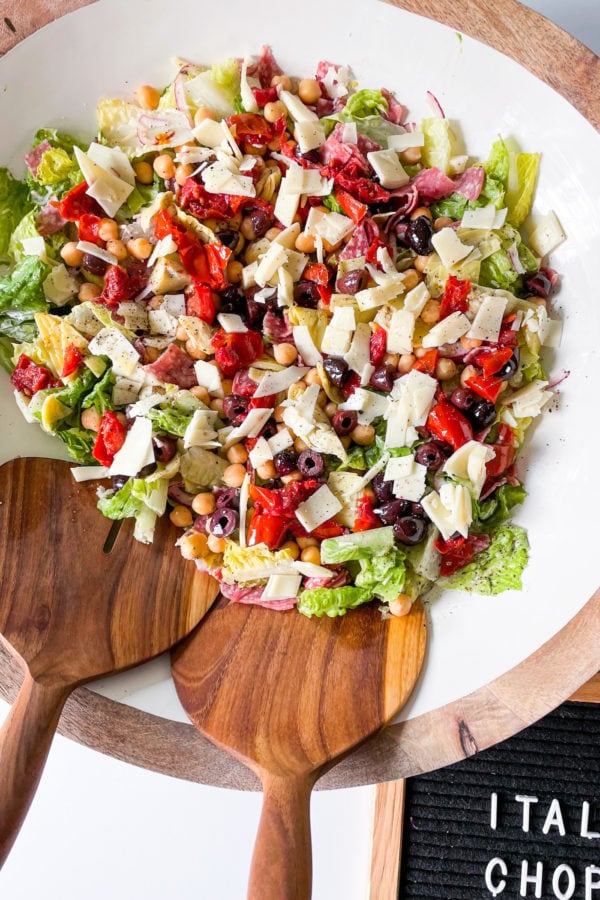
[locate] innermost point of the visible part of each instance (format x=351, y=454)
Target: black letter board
x=521, y=819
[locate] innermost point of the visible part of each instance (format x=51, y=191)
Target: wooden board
x=459, y=729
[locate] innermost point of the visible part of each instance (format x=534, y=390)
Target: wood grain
x=491, y=713
x=73, y=611
x=388, y=822
x=288, y=696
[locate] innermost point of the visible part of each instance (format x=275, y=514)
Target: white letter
x=589, y=884
x=526, y=801
x=497, y=888
x=555, y=818
x=585, y=822
x=558, y=892
x=531, y=879
x=494, y=810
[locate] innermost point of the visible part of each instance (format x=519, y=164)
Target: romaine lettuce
x=497, y=569
x=55, y=167
x=361, y=545
x=383, y=575
x=332, y=602
x=15, y=202
x=79, y=443
x=22, y=290
x=496, y=509
x=439, y=143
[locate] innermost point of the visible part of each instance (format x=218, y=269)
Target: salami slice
x=174, y=366
x=34, y=157
x=470, y=183
x=49, y=220
x=277, y=326
x=267, y=67
x=396, y=111
x=433, y=184
x=338, y=155
x=361, y=240
x=253, y=595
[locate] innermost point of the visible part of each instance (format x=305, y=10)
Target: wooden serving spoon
x=75, y=608
x=289, y=696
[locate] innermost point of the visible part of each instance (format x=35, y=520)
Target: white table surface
x=100, y=829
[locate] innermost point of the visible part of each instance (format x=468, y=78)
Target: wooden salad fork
x=76, y=603
x=289, y=696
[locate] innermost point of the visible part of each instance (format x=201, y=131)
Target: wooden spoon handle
x=25, y=740
x=282, y=860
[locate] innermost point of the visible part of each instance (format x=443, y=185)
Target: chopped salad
x=304, y=327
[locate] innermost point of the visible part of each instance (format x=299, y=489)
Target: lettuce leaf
x=79, y=443
x=21, y=296
x=15, y=202
x=383, y=575
x=361, y=545
x=140, y=500
x=56, y=166
x=141, y=196
x=100, y=396
x=521, y=186
x=498, y=162
x=332, y=602
x=6, y=354
x=439, y=143
x=496, y=509
x=497, y=569
x=171, y=419
x=226, y=76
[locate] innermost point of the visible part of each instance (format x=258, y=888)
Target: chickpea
x=421, y=211
x=234, y=271
x=273, y=233
x=200, y=393
x=330, y=409
x=313, y=377
x=152, y=354
x=391, y=359
x=88, y=291
x=217, y=406
x=183, y=172
x=420, y=352
x=282, y=81
x=247, y=229
x=470, y=343
x=108, y=230
x=285, y=354
x=401, y=605
x=363, y=435
x=309, y=90
x=293, y=476
x=147, y=96
x=237, y=454
x=410, y=156
x=411, y=279
x=203, y=113
x=442, y=222
x=71, y=255
x=227, y=386
x=267, y=470
x=204, y=504
x=300, y=446
x=430, y=313
x=216, y=544
x=274, y=111
x=139, y=248
x=293, y=548
x=445, y=369
x=467, y=373
x=91, y=419
x=193, y=545
x=311, y=555
x=181, y=516
x=305, y=243
x=406, y=362
x=421, y=262
x=118, y=249
x=144, y=172
x=304, y=542
x=164, y=166
x=278, y=414
x=234, y=475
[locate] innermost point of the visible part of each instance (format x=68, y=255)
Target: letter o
x=556, y=878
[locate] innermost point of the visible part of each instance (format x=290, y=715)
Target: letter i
x=494, y=811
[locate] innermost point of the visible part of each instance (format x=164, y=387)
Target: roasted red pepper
x=77, y=203
x=317, y=272
x=29, y=378
x=361, y=188
x=428, y=361
x=200, y=302
x=251, y=127
x=204, y=205
x=377, y=345
x=505, y=454
x=236, y=350
x=206, y=263
x=265, y=95
x=350, y=384
x=508, y=337
x=448, y=424
x=118, y=287
x=376, y=244
x=462, y=554
x=266, y=528
x=353, y=208
x=486, y=387
x=492, y=359
x=283, y=501
x=455, y=297
x=217, y=255
x=111, y=438
x=88, y=227
x=365, y=516
x=72, y=360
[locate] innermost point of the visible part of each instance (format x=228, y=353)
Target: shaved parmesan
x=400, y=142
x=367, y=404
x=310, y=135
x=112, y=343
x=231, y=323
x=547, y=235
x=95, y=250
x=137, y=450
x=244, y=490
x=282, y=587
x=280, y=441
x=448, y=331
x=416, y=299
x=208, y=376
x=296, y=108
x=275, y=382
x=344, y=318
x=108, y=189
x=112, y=159
x=401, y=330
x=248, y=98
x=450, y=510
x=260, y=453
x=320, y=506
x=252, y=425
x=286, y=207
x=529, y=400
x=371, y=298
x=468, y=464
x=488, y=319
x=449, y=247
x=306, y=346
x=388, y=168
x=358, y=356
x=275, y=257
x=200, y=431
x=89, y=473
x=335, y=341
